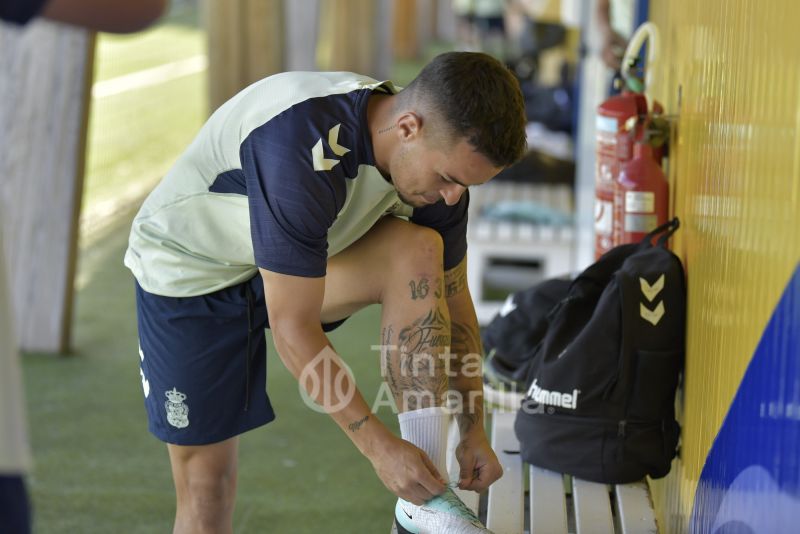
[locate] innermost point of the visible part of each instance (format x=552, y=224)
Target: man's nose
x=452, y=193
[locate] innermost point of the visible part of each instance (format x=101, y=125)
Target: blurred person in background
x=615, y=19
x=466, y=33
x=15, y=458
x=489, y=19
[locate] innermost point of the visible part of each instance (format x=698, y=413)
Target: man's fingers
x=467, y=470
x=418, y=495
x=430, y=478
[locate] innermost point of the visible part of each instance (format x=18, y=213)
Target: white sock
x=427, y=429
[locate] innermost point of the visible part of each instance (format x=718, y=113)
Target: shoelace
x=455, y=503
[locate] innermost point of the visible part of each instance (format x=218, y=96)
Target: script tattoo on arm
x=355, y=425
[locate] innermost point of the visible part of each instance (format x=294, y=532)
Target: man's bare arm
x=294, y=304
x=466, y=364
x=106, y=15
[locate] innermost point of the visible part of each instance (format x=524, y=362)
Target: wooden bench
x=531, y=500
x=557, y=503
x=539, y=250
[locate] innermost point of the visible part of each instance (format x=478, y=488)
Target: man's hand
x=479, y=465
x=613, y=49
x=407, y=471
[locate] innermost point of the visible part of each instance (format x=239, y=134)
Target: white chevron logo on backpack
x=652, y=316
x=321, y=163
x=651, y=291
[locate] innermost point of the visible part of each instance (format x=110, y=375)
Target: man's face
x=423, y=174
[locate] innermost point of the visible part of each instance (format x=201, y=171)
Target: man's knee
x=205, y=480
x=209, y=495
x=418, y=250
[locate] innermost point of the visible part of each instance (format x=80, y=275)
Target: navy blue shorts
x=203, y=363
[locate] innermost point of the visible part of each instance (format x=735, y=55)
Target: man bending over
x=303, y=199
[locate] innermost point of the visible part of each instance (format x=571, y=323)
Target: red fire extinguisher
x=622, y=120
x=641, y=193
x=614, y=148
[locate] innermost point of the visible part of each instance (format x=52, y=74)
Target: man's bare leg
x=399, y=265
x=205, y=485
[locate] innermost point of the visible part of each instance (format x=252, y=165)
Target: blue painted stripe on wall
x=751, y=480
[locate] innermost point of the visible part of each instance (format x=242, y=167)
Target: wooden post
x=44, y=102
x=245, y=44
x=445, y=21
x=347, y=38
x=302, y=28
x=406, y=42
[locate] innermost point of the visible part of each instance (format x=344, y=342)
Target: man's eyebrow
x=459, y=182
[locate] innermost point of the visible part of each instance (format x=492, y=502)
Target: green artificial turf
x=136, y=135
x=178, y=35
x=98, y=470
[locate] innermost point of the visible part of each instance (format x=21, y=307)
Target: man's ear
x=409, y=126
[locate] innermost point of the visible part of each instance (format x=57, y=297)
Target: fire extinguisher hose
x=646, y=32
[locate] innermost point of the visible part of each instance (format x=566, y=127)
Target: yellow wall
x=730, y=72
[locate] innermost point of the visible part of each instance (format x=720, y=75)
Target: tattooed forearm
x=466, y=339
x=455, y=280
x=470, y=417
x=465, y=374
x=355, y=425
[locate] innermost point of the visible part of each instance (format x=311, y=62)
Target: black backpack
x=513, y=334
x=600, y=395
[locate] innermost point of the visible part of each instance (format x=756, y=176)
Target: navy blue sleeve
x=292, y=206
x=20, y=11
x=451, y=223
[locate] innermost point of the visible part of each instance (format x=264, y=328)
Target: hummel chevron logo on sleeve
x=650, y=291
x=333, y=141
x=321, y=163
x=652, y=316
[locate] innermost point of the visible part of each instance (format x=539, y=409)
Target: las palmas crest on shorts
x=177, y=411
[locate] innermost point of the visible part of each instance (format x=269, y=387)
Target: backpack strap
x=668, y=228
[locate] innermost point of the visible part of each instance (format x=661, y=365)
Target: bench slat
x=505, y=510
x=634, y=509
x=592, y=508
x=547, y=502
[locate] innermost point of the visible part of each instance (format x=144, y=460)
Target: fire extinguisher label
x=640, y=223
x=640, y=202
x=603, y=217
x=606, y=124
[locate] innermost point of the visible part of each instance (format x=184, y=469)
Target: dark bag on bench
x=514, y=333
x=601, y=385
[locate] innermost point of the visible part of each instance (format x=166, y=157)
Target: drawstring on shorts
x=248, y=356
